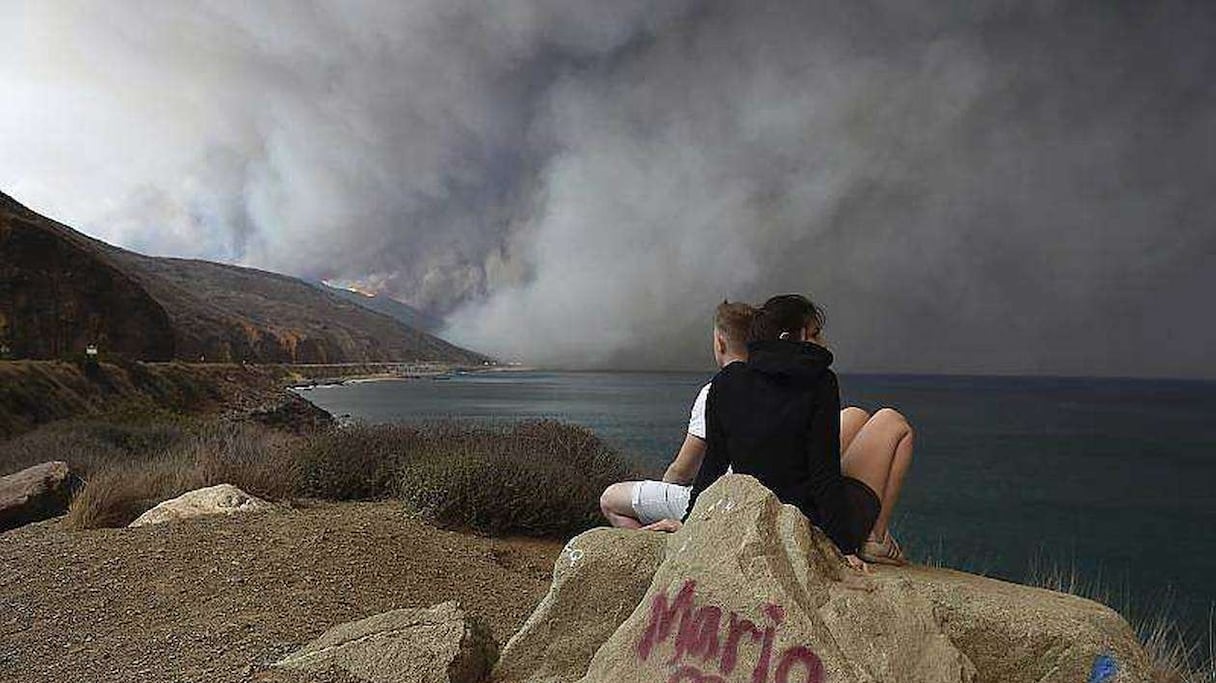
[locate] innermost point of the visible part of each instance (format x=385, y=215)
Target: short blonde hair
x=734, y=321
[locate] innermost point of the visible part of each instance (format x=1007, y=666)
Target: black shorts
x=850, y=524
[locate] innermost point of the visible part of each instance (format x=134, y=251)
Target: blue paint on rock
x=1105, y=668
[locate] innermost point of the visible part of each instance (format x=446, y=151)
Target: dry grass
x=540, y=479
x=1175, y=657
x=537, y=478
x=33, y=393
x=115, y=496
x=91, y=445
x=357, y=462
x=254, y=459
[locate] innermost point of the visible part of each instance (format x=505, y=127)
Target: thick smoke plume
x=968, y=187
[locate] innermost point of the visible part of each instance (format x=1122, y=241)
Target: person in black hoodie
x=777, y=418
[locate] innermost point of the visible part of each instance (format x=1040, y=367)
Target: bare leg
x=880, y=455
x=617, y=505
x=851, y=421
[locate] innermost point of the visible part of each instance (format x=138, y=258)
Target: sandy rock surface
x=436, y=645
x=1019, y=634
x=222, y=499
x=598, y=580
x=35, y=493
x=749, y=592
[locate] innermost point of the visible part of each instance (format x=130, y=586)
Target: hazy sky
x=975, y=186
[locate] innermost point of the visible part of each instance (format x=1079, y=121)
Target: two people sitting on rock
x=773, y=412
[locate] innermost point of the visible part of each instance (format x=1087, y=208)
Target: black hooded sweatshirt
x=777, y=418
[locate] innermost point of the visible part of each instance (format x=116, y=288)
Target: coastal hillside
x=391, y=307
x=61, y=291
x=33, y=393
x=58, y=293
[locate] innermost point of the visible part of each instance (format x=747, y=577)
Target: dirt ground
x=220, y=599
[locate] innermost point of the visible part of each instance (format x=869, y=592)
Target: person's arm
x=684, y=468
x=715, y=460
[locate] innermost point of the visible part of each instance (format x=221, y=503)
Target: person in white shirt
x=874, y=448
x=639, y=504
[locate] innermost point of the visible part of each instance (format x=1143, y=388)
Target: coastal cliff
x=61, y=291
x=58, y=294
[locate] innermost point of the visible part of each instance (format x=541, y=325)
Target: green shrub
x=524, y=496
x=355, y=462
x=537, y=479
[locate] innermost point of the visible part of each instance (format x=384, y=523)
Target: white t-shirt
x=696, y=419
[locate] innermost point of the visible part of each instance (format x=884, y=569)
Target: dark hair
x=734, y=320
x=785, y=313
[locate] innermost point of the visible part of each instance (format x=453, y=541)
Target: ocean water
x=1111, y=480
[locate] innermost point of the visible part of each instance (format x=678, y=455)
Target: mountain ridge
x=380, y=303
x=61, y=290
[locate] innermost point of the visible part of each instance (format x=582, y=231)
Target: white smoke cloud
x=1003, y=188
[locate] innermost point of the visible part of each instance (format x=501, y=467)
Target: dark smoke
x=968, y=187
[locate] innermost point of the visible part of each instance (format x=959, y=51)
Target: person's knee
x=617, y=498
x=606, y=500
x=854, y=413
x=892, y=419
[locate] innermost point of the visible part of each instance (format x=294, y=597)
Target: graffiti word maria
x=706, y=643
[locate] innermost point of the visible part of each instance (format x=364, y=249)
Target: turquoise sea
x=1114, y=480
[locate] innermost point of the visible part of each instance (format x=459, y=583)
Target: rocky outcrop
x=58, y=294
x=35, y=493
x=285, y=411
x=1018, y=634
x=436, y=645
x=749, y=591
x=221, y=499
x=599, y=579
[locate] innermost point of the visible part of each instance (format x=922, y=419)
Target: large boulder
x=1018, y=634
x=222, y=499
x=436, y=645
x=35, y=493
x=598, y=580
x=750, y=591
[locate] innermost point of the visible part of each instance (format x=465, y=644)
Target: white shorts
x=656, y=500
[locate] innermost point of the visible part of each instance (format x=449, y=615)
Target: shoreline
x=396, y=372
x=272, y=392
